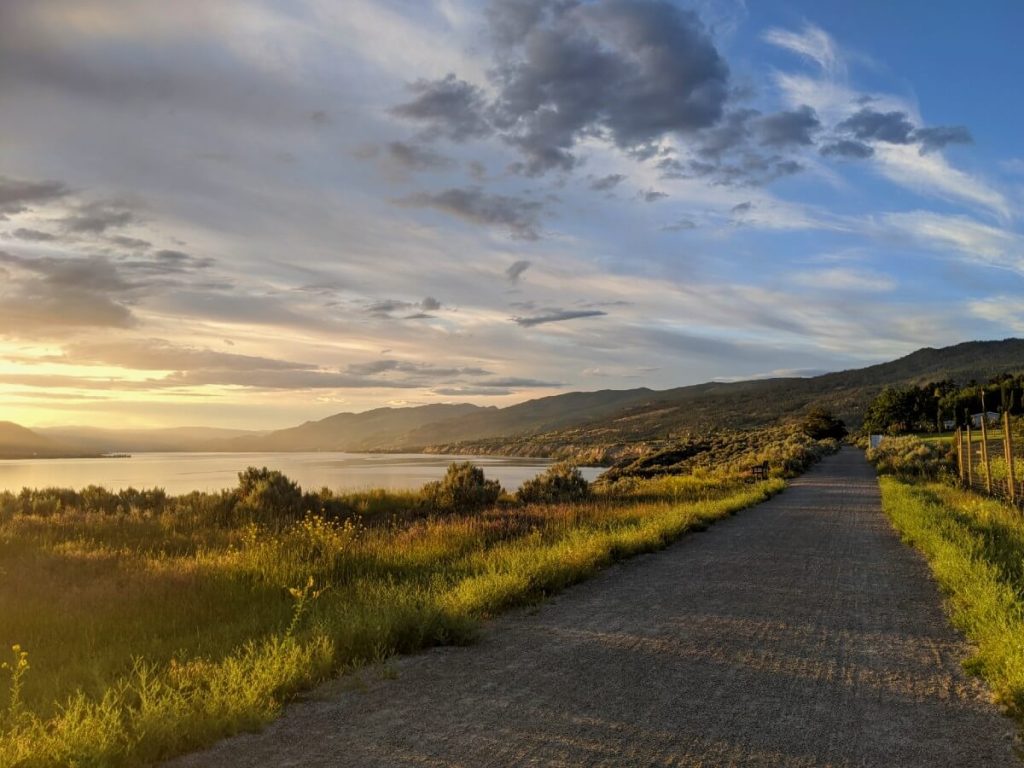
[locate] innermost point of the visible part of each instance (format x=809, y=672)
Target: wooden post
x=984, y=445
x=960, y=453
x=970, y=455
x=1011, y=482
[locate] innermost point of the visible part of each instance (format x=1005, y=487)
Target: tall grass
x=152, y=632
x=975, y=548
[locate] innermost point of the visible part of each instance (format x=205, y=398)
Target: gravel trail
x=798, y=633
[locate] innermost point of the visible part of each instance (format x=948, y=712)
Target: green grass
x=975, y=547
x=150, y=634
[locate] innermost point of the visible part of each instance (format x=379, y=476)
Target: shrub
x=820, y=423
x=267, y=496
x=561, y=482
x=910, y=456
x=462, y=489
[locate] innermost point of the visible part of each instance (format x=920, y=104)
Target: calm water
x=183, y=472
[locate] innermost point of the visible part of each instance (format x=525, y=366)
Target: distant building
x=991, y=417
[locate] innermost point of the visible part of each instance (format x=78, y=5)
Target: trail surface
x=799, y=633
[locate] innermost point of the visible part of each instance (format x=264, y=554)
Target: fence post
x=1011, y=484
x=984, y=447
x=960, y=453
x=970, y=456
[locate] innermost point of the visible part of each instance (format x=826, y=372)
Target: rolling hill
x=593, y=426
x=17, y=442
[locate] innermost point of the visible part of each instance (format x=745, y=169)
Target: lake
x=183, y=472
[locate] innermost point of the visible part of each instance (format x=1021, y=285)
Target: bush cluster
x=561, y=482
x=909, y=456
x=463, y=489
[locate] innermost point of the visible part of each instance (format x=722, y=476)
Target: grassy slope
x=221, y=643
x=975, y=548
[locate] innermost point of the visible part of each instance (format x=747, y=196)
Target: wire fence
x=990, y=459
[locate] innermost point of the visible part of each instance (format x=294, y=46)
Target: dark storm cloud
x=17, y=195
x=605, y=183
x=631, y=71
x=519, y=216
x=869, y=125
x=430, y=304
x=33, y=235
x=449, y=107
x=516, y=269
x=652, y=196
x=787, y=128
x=557, y=316
x=942, y=135
x=847, y=148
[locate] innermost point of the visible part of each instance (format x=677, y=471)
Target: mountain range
x=582, y=423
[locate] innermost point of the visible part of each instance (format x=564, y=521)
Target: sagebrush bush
x=909, y=456
x=463, y=489
x=268, y=497
x=561, y=482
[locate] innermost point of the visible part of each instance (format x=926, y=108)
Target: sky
x=248, y=214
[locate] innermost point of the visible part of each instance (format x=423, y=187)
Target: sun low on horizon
x=254, y=214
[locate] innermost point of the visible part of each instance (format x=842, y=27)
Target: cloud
x=845, y=279
x=557, y=316
x=847, y=148
x=679, y=226
x=33, y=235
x=869, y=125
x=449, y=107
x=960, y=234
x=788, y=128
x=97, y=218
x=652, y=196
x=133, y=243
x=49, y=294
x=632, y=71
x=605, y=183
x=516, y=269
x=942, y=135
x=416, y=158
x=162, y=355
x=813, y=43
x=471, y=391
x=430, y=304
x=519, y=216
x=896, y=128
x=17, y=195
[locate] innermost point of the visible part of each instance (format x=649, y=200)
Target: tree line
x=942, y=405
